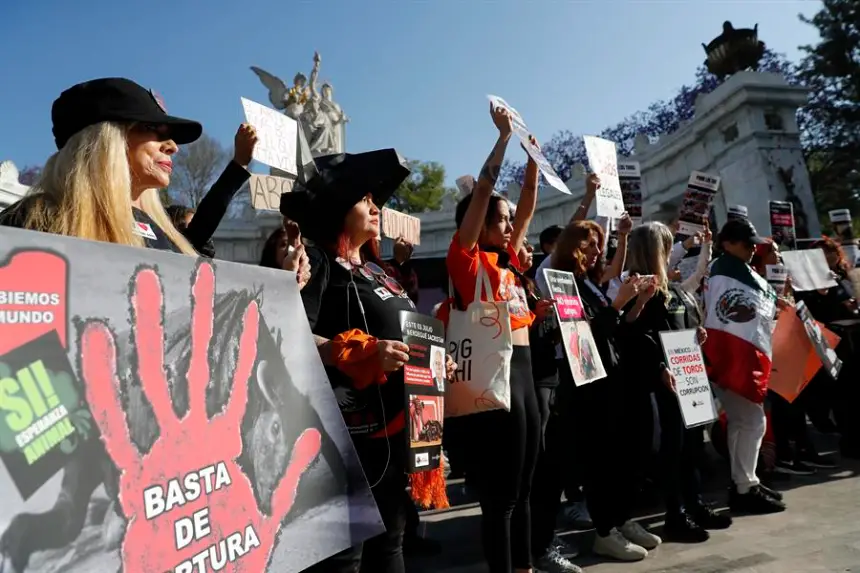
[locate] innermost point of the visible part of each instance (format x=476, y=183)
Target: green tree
x=423, y=190
x=831, y=120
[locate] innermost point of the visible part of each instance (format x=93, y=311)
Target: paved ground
x=819, y=532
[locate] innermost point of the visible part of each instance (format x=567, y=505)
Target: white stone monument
x=10, y=188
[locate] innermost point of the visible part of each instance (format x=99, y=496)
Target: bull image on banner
x=154, y=418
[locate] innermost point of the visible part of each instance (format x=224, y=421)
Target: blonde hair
x=648, y=251
x=85, y=192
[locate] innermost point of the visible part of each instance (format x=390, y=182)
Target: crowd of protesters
x=591, y=445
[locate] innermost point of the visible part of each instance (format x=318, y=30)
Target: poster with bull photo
x=161, y=413
x=782, y=223
x=576, y=337
x=424, y=377
x=830, y=363
x=630, y=179
x=698, y=199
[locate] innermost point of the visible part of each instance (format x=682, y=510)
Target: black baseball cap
x=741, y=231
x=115, y=99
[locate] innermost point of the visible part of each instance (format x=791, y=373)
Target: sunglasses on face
x=160, y=130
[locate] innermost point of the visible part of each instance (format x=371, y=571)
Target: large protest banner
x=159, y=413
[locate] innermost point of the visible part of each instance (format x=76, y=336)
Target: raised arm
x=591, y=186
x=527, y=202
x=616, y=267
x=473, y=222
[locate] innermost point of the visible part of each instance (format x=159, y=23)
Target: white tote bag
x=479, y=340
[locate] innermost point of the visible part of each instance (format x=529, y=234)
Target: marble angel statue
x=291, y=100
x=323, y=120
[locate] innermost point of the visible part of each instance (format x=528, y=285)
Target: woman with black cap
x=353, y=308
x=115, y=144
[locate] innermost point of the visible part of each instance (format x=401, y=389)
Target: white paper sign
x=522, y=132
x=604, y=162
x=397, y=225
x=808, y=269
x=685, y=362
x=776, y=276
x=276, y=136
x=266, y=191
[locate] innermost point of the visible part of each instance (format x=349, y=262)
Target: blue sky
x=412, y=74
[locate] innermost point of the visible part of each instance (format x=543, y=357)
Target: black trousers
x=549, y=478
x=504, y=447
x=611, y=429
x=788, y=422
x=383, y=553
x=680, y=455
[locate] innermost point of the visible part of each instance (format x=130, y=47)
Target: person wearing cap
x=740, y=313
x=353, y=307
x=115, y=144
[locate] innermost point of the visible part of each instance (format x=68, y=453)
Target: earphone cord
x=378, y=389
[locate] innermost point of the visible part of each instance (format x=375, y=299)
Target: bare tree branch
x=195, y=168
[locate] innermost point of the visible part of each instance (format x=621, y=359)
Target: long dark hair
x=464, y=203
x=269, y=257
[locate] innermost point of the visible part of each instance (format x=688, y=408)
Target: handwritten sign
x=266, y=191
x=684, y=360
x=604, y=162
x=277, y=136
x=698, y=198
x=522, y=132
x=396, y=225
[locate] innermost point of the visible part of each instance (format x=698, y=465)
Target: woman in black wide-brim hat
x=353, y=309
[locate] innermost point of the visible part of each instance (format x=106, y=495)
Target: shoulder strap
x=482, y=283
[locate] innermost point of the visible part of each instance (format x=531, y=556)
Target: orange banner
x=795, y=361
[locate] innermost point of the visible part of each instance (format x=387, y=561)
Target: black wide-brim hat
x=119, y=100
x=320, y=204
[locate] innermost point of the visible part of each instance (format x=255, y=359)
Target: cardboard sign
x=396, y=225
x=795, y=361
x=698, y=198
x=630, y=179
x=829, y=361
x=777, y=275
x=577, y=339
x=522, y=132
x=212, y=405
x=782, y=223
x=684, y=360
x=424, y=376
x=277, y=136
x=266, y=191
x=604, y=162
x=737, y=212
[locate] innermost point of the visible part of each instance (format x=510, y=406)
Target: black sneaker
x=816, y=460
x=771, y=492
x=795, y=468
x=707, y=518
x=755, y=502
x=681, y=528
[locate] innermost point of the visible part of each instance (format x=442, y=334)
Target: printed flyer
x=630, y=179
x=604, y=162
x=698, y=198
x=577, y=338
x=829, y=361
x=685, y=360
x=782, y=223
x=424, y=377
x=163, y=413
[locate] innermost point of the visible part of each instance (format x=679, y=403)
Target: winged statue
x=322, y=120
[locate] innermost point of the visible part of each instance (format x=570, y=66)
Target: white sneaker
x=638, y=535
x=618, y=547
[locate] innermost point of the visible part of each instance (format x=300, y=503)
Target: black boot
x=680, y=527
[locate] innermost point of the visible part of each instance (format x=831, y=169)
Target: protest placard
x=698, y=198
x=685, y=362
x=522, y=132
x=630, y=179
x=829, y=361
x=424, y=376
x=843, y=227
x=735, y=212
x=277, y=136
x=604, y=162
x=808, y=269
x=782, y=223
x=776, y=276
x=397, y=225
x=189, y=379
x=465, y=183
x=577, y=339
x=266, y=191
x=795, y=361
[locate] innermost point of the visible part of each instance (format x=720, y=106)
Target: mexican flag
x=739, y=316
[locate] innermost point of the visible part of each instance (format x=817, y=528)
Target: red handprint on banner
x=188, y=504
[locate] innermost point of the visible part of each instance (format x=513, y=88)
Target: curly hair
x=830, y=246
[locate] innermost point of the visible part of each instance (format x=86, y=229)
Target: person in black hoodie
x=600, y=420
x=666, y=306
